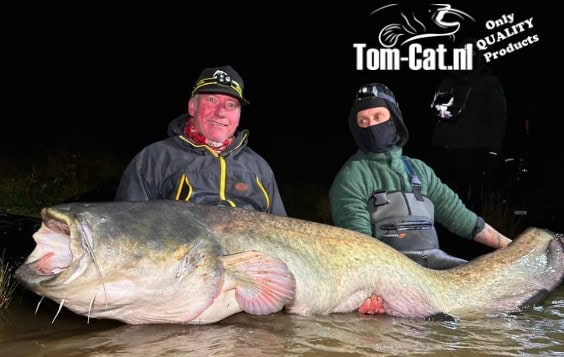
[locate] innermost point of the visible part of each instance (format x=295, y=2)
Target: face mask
x=377, y=138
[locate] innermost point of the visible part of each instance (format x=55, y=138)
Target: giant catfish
x=178, y=262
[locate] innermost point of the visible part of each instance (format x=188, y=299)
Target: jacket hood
x=176, y=125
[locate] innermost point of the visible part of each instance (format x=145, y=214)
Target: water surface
x=538, y=331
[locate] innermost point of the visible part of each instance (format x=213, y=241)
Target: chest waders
x=405, y=221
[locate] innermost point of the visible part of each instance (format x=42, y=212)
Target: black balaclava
x=381, y=137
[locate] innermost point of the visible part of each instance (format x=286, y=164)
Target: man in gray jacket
x=206, y=159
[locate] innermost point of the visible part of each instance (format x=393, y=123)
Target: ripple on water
x=537, y=331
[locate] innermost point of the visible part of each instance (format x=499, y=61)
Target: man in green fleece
x=394, y=198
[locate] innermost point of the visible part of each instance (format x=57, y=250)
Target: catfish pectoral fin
x=264, y=284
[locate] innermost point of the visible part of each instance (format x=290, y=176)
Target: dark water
x=539, y=331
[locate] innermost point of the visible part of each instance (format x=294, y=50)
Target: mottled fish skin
x=178, y=262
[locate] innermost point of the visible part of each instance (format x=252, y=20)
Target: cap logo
x=221, y=78
x=224, y=78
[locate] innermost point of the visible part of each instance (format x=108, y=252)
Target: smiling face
x=216, y=116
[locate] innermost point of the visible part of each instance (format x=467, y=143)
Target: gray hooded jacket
x=176, y=169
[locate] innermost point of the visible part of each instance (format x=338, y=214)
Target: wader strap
x=413, y=178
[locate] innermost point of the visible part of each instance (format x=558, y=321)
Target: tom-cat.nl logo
x=399, y=46
x=439, y=20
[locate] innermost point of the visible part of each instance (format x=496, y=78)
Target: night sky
x=97, y=73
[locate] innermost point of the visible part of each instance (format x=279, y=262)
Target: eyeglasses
x=220, y=78
x=372, y=91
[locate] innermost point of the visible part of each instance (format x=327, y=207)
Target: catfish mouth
x=52, y=254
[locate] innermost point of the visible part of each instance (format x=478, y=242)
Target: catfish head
x=118, y=262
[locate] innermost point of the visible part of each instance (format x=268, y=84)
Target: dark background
x=97, y=74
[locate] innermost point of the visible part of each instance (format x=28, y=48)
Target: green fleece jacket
x=364, y=173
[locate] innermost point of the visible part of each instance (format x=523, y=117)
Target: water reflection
x=538, y=331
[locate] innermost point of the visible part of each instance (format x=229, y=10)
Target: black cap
x=222, y=80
